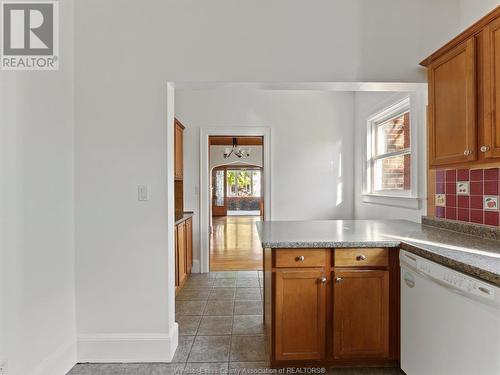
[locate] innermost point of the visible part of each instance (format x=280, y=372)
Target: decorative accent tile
x=491, y=202
x=463, y=188
x=440, y=200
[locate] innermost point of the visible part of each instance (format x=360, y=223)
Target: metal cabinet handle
x=323, y=280
x=338, y=280
x=485, y=148
x=360, y=258
x=467, y=152
x=300, y=259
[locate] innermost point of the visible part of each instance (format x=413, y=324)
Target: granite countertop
x=184, y=217
x=472, y=255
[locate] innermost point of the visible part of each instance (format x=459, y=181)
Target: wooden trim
x=487, y=91
x=471, y=31
x=241, y=140
x=177, y=122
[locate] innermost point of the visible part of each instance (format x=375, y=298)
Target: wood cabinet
x=300, y=314
x=464, y=88
x=490, y=84
x=178, y=150
x=176, y=258
x=189, y=245
x=181, y=252
x=361, y=314
x=184, y=225
x=332, y=307
x=452, y=106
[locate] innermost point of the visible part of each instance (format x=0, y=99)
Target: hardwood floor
x=234, y=244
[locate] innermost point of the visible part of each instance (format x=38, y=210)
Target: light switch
x=144, y=193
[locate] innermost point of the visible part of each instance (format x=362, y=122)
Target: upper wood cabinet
x=179, y=150
x=452, y=106
x=489, y=38
x=300, y=314
x=464, y=89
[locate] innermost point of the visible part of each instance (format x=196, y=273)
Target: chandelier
x=236, y=150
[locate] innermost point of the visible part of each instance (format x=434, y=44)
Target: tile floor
x=220, y=331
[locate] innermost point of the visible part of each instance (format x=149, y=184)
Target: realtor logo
x=30, y=35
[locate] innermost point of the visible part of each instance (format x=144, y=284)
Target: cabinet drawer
x=300, y=258
x=361, y=257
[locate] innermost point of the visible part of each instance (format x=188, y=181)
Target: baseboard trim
x=59, y=362
x=123, y=348
x=196, y=266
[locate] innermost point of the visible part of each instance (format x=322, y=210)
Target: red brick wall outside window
x=393, y=136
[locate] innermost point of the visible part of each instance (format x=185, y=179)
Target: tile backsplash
x=470, y=195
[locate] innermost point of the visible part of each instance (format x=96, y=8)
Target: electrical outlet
x=3, y=367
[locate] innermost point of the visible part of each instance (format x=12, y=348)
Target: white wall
x=311, y=147
x=366, y=104
x=127, y=51
x=473, y=10
x=396, y=35
x=37, y=279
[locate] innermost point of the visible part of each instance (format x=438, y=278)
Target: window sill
x=392, y=200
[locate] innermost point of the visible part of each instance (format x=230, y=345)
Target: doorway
x=237, y=202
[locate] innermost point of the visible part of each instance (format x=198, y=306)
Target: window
x=243, y=183
x=389, y=146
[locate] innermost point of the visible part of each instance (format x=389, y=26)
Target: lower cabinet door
x=189, y=245
x=300, y=315
x=175, y=256
x=361, y=314
x=181, y=251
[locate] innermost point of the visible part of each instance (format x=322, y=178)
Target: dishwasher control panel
x=449, y=277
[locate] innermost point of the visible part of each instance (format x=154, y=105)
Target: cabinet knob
x=360, y=258
x=323, y=280
x=485, y=148
x=300, y=259
x=467, y=152
x=338, y=280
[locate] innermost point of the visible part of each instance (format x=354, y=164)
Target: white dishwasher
x=450, y=322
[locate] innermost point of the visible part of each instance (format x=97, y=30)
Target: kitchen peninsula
x=332, y=288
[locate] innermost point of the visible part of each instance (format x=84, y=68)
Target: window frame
x=394, y=108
